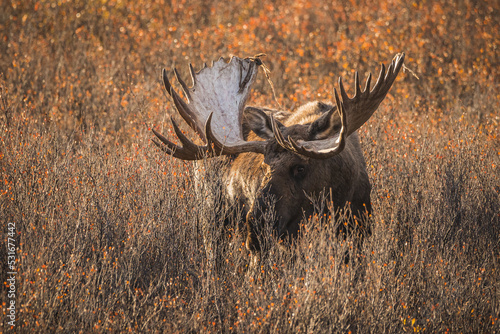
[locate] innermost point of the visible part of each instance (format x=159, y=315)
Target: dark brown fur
x=290, y=180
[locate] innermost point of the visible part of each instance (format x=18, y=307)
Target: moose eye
x=299, y=171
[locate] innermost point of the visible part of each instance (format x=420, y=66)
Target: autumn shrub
x=113, y=235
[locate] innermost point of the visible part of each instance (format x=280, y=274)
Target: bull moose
x=290, y=157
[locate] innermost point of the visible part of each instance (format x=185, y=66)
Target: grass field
x=112, y=235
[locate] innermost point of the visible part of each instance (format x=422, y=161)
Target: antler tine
x=186, y=113
x=185, y=89
x=193, y=75
x=169, y=147
x=188, y=150
x=357, y=88
x=211, y=138
x=389, y=71
x=367, y=85
x=363, y=104
x=165, y=149
x=184, y=153
x=343, y=93
x=394, y=68
x=380, y=80
x=343, y=118
x=166, y=82
x=187, y=144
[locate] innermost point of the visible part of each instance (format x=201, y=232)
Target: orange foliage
x=74, y=61
x=80, y=91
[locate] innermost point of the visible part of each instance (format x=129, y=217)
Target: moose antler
x=354, y=112
x=214, y=109
x=317, y=149
x=364, y=103
x=217, y=100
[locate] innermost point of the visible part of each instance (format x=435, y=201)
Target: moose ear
x=258, y=121
x=328, y=124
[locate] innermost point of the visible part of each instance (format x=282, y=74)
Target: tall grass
x=113, y=238
x=113, y=235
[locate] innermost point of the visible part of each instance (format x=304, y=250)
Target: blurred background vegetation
x=109, y=229
x=83, y=63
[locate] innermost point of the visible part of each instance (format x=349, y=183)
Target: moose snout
x=263, y=219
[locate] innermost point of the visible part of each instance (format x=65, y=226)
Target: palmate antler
x=354, y=112
x=217, y=101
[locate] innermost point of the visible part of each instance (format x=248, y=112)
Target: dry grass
x=110, y=232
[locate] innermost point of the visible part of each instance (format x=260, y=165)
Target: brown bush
x=109, y=231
